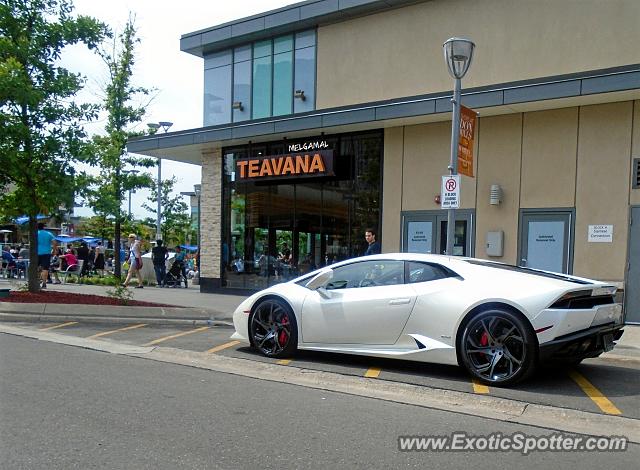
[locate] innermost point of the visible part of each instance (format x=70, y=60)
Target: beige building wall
x=392, y=189
x=634, y=197
x=399, y=53
x=602, y=188
x=499, y=158
x=211, y=214
x=549, y=147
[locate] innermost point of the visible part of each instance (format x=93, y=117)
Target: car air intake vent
x=582, y=301
x=635, y=183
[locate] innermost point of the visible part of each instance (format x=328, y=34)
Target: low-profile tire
x=498, y=348
x=273, y=329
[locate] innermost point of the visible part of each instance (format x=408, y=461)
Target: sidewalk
x=201, y=307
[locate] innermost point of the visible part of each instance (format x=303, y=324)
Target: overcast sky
x=177, y=76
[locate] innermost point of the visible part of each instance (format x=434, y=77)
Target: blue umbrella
x=25, y=218
x=189, y=247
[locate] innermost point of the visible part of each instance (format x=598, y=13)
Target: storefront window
x=279, y=229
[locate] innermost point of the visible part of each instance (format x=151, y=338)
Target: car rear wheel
x=273, y=329
x=498, y=348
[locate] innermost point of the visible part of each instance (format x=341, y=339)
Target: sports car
x=495, y=320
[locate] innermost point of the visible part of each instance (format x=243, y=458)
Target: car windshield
x=521, y=269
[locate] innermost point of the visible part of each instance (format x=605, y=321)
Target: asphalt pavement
x=65, y=407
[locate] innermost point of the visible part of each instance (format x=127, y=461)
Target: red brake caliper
x=484, y=340
x=282, y=336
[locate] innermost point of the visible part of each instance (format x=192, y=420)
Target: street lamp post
x=164, y=125
x=458, y=53
x=130, y=172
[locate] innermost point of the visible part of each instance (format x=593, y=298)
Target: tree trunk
x=34, y=279
x=116, y=250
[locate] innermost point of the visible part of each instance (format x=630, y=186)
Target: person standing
x=159, y=255
x=374, y=247
x=98, y=262
x=83, y=254
x=180, y=258
x=135, y=261
x=46, y=242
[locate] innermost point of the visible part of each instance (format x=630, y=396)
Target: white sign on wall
x=419, y=237
x=600, y=234
x=450, y=192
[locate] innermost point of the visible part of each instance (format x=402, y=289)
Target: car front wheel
x=498, y=348
x=273, y=329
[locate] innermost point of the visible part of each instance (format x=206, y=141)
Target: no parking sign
x=450, y=192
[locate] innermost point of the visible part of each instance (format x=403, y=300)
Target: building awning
x=579, y=89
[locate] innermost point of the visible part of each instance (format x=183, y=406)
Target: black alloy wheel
x=273, y=329
x=498, y=348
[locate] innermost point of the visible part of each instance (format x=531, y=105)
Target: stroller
x=175, y=275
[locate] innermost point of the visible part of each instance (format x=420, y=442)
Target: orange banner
x=468, y=121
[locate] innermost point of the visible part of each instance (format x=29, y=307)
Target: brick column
x=211, y=220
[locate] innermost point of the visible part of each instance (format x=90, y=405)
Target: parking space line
x=230, y=344
x=284, y=362
x=69, y=323
x=372, y=372
x=105, y=333
x=479, y=387
x=596, y=395
x=177, y=335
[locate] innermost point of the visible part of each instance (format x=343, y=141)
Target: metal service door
x=631, y=291
x=426, y=232
x=546, y=240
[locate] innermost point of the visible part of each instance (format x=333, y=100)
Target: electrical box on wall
x=495, y=241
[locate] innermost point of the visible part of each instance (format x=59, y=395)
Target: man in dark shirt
x=159, y=255
x=83, y=254
x=374, y=247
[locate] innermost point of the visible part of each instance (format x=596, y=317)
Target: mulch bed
x=53, y=297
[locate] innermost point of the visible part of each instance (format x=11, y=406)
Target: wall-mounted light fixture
x=495, y=195
x=436, y=199
x=300, y=95
x=237, y=105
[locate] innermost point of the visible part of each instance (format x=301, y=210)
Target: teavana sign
x=465, y=143
x=297, y=165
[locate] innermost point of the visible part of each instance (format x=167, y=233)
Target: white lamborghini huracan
x=495, y=320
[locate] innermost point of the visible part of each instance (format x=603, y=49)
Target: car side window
x=425, y=272
x=368, y=274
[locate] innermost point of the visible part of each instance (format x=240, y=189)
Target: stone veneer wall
x=211, y=219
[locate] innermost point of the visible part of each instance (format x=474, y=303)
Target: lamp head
x=165, y=125
x=153, y=127
x=458, y=53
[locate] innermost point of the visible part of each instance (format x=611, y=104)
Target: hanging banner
x=468, y=119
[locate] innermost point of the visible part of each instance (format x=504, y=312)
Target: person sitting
x=8, y=261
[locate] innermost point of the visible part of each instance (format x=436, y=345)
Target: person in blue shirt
x=374, y=247
x=180, y=258
x=46, y=242
x=10, y=261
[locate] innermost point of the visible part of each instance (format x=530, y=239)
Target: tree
x=174, y=219
x=106, y=191
x=41, y=138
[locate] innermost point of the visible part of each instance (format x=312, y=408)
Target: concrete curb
x=10, y=311
x=29, y=317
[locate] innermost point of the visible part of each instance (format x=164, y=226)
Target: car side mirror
x=320, y=280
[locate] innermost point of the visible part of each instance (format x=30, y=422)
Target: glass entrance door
x=546, y=238
x=426, y=232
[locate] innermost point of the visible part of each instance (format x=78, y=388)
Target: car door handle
x=400, y=301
